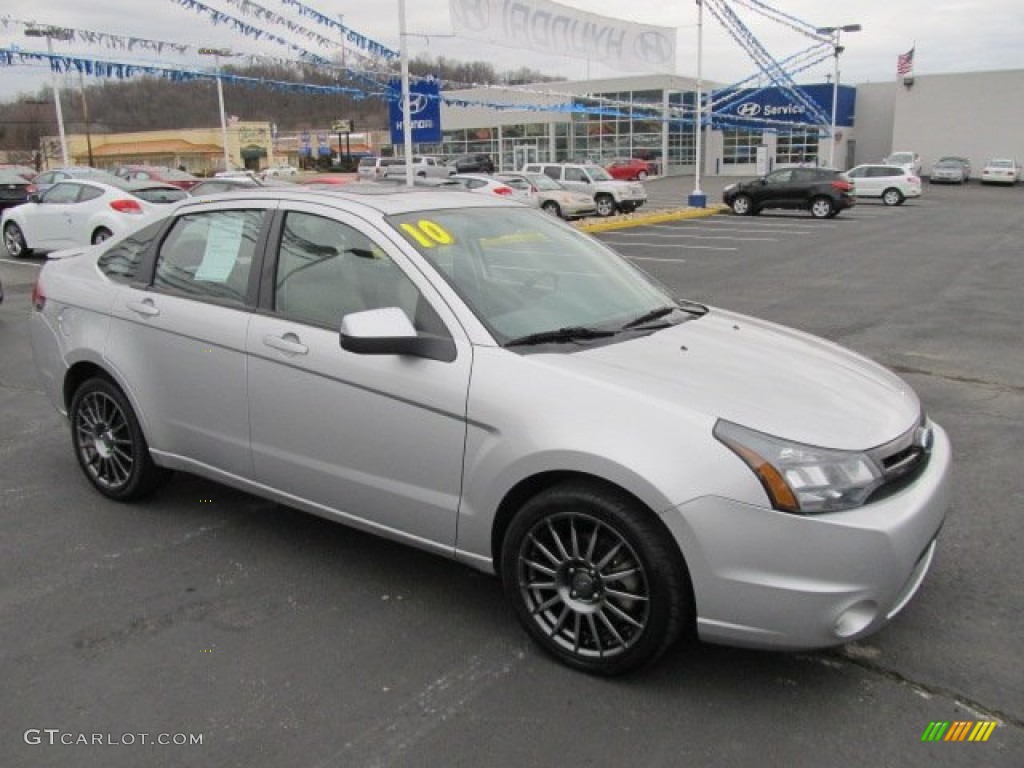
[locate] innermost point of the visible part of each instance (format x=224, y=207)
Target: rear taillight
x=503, y=190
x=38, y=297
x=126, y=206
x=842, y=186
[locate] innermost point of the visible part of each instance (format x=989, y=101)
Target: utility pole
x=51, y=33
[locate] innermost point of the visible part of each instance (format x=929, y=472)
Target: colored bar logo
x=959, y=730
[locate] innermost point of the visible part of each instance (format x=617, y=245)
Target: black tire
x=594, y=579
x=101, y=234
x=14, y=241
x=892, y=196
x=109, y=444
x=742, y=205
x=605, y=205
x=821, y=207
x=553, y=208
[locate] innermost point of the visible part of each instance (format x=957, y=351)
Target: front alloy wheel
x=109, y=443
x=593, y=580
x=605, y=205
x=742, y=205
x=14, y=241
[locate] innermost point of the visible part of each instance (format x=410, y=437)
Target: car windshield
x=948, y=164
x=1001, y=164
x=901, y=157
x=524, y=273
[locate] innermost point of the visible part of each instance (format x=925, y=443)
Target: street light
x=52, y=33
x=837, y=49
x=217, y=53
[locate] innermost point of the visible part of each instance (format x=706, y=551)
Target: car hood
x=757, y=374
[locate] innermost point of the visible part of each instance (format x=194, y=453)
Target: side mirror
x=387, y=331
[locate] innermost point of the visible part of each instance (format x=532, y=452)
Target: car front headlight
x=801, y=478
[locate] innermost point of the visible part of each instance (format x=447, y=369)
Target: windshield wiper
x=649, y=317
x=559, y=336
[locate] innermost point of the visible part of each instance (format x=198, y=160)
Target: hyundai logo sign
x=654, y=48
x=417, y=103
x=748, y=109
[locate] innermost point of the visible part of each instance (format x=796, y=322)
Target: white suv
x=610, y=195
x=892, y=183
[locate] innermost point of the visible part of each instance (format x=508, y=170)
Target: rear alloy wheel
x=822, y=208
x=109, y=443
x=594, y=580
x=892, y=196
x=100, y=235
x=552, y=207
x=742, y=205
x=14, y=241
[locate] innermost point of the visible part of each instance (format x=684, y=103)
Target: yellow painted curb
x=640, y=220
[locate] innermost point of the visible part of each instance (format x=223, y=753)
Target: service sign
x=775, y=107
x=424, y=112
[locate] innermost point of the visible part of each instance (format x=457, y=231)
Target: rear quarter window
x=121, y=262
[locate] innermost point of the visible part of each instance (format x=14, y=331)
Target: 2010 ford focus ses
x=481, y=380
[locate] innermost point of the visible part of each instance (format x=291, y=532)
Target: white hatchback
x=892, y=183
x=83, y=212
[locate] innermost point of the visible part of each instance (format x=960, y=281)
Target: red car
x=630, y=169
x=179, y=179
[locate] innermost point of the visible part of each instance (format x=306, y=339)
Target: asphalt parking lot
x=284, y=640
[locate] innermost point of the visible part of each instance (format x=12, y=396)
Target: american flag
x=905, y=63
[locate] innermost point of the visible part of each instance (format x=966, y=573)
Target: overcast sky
x=948, y=35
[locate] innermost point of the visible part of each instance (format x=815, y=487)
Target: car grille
x=903, y=459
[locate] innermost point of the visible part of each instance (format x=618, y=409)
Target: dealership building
x=751, y=130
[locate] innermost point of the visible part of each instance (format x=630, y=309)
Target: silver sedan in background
x=550, y=196
x=483, y=381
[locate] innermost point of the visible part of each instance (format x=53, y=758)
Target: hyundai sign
x=774, y=107
x=424, y=109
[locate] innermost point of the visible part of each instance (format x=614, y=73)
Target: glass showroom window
x=740, y=146
x=797, y=148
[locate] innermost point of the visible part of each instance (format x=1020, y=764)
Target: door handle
x=289, y=344
x=145, y=308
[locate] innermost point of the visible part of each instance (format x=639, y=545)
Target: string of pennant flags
x=372, y=79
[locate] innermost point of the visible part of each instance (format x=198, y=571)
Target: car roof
x=384, y=199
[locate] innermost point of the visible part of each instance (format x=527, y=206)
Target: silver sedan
x=480, y=380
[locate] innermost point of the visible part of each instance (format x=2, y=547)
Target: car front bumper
x=769, y=579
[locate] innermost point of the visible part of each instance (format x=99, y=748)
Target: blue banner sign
x=424, y=108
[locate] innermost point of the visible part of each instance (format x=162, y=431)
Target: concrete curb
x=630, y=220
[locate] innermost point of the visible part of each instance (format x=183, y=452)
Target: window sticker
x=222, y=245
x=428, y=234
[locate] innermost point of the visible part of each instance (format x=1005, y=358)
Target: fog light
x=855, y=619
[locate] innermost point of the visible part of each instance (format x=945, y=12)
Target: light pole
x=837, y=49
x=60, y=33
x=698, y=199
x=217, y=53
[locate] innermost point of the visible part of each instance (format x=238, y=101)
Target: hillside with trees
x=148, y=103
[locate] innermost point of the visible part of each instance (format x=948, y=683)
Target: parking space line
x=654, y=258
x=19, y=263
x=637, y=233
x=677, y=246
